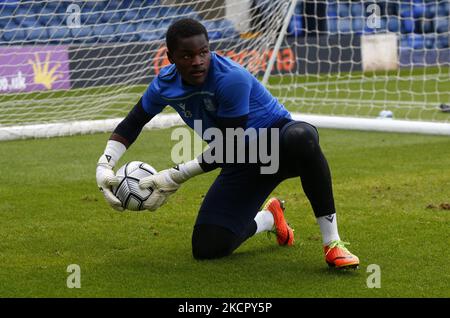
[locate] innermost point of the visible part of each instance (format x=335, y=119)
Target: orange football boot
x=285, y=234
x=338, y=256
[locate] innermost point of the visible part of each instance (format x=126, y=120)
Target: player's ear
x=169, y=56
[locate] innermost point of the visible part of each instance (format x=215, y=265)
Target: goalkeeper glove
x=105, y=175
x=167, y=182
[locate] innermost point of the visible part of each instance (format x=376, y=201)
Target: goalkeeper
x=202, y=85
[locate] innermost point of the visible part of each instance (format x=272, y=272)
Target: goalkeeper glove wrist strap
x=113, y=151
x=188, y=170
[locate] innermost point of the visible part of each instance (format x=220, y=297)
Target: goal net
x=70, y=67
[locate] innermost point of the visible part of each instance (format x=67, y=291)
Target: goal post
x=70, y=67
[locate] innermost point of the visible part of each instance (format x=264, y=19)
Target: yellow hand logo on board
x=41, y=73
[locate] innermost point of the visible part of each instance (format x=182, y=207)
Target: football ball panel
x=128, y=191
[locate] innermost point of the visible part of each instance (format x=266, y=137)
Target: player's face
x=192, y=58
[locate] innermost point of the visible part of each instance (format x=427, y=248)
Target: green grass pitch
x=390, y=191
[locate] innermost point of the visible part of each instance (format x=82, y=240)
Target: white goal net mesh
x=70, y=61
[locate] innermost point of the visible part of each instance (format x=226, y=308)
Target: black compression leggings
x=213, y=241
x=226, y=217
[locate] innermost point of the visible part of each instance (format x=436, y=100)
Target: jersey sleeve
x=234, y=94
x=151, y=100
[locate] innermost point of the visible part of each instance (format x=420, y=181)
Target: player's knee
x=301, y=137
x=210, y=242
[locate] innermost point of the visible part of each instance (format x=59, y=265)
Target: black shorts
x=239, y=191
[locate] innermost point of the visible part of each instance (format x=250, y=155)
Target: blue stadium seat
x=418, y=10
x=442, y=41
x=427, y=26
x=148, y=32
x=104, y=32
x=90, y=17
x=126, y=32
x=38, y=34
x=407, y=25
x=27, y=22
x=59, y=34
x=429, y=41
x=343, y=10
x=430, y=10
x=443, y=9
x=295, y=26
x=227, y=28
x=15, y=36
x=405, y=10
x=131, y=15
x=441, y=24
x=393, y=24
x=358, y=25
x=332, y=10
x=83, y=34
x=214, y=31
x=111, y=17
x=344, y=25
x=357, y=9
x=48, y=18
x=332, y=25
x=416, y=41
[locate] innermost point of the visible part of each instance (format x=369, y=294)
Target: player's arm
x=234, y=100
x=123, y=136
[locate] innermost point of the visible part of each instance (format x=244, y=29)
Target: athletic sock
x=328, y=227
x=264, y=221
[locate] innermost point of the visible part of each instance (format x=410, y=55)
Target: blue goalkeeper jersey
x=229, y=91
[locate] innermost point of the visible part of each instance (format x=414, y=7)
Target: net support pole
x=283, y=31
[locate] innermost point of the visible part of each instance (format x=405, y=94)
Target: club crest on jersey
x=209, y=104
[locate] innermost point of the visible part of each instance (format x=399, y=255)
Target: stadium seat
x=294, y=27
x=418, y=10
x=131, y=15
x=405, y=10
x=36, y=35
x=104, y=32
x=430, y=10
x=357, y=9
x=48, y=18
x=358, y=25
x=429, y=41
x=27, y=22
x=416, y=41
x=427, y=26
x=332, y=10
x=393, y=24
x=443, y=9
x=332, y=25
x=227, y=28
x=111, y=16
x=441, y=24
x=83, y=34
x=14, y=36
x=442, y=41
x=344, y=25
x=126, y=32
x=59, y=34
x=214, y=32
x=343, y=10
x=148, y=31
x=90, y=17
x=407, y=25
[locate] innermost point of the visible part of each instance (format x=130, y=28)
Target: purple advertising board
x=34, y=68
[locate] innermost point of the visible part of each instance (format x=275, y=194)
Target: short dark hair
x=183, y=28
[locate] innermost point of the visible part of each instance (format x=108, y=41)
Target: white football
x=128, y=191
